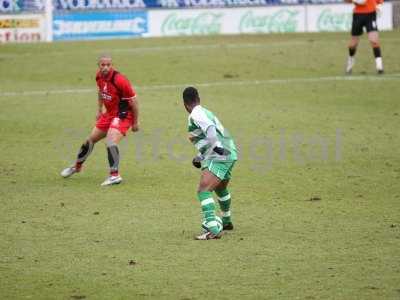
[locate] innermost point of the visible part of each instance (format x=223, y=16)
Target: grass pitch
x=315, y=193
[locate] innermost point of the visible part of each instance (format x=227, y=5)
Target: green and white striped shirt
x=199, y=120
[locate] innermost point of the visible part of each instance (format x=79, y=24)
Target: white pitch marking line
x=217, y=83
x=144, y=50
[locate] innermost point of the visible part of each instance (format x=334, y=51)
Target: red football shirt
x=111, y=92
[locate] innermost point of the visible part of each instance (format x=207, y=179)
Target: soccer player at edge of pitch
x=364, y=15
x=216, y=158
x=117, y=111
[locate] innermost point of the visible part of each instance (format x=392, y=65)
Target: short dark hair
x=190, y=95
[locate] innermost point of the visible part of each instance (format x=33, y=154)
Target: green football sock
x=224, y=200
x=208, y=208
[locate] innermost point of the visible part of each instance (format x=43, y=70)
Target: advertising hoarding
x=22, y=28
x=99, y=25
x=226, y=21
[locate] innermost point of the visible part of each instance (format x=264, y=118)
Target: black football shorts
x=363, y=20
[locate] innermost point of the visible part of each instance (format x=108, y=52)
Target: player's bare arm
x=99, y=106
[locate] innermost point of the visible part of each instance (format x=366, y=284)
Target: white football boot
x=379, y=65
x=112, y=180
x=208, y=236
x=67, y=172
x=350, y=63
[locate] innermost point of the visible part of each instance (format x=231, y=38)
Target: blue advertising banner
x=99, y=25
x=141, y=4
x=12, y=6
x=98, y=4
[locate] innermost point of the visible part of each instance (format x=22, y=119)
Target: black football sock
x=113, y=158
x=84, y=152
x=377, y=51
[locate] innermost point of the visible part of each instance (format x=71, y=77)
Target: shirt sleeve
x=200, y=119
x=127, y=91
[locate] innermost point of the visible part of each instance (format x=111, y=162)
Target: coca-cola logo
x=211, y=3
x=284, y=20
x=329, y=20
x=201, y=24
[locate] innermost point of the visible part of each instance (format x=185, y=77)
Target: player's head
x=191, y=98
x=105, y=63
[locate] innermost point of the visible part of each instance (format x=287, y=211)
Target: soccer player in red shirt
x=364, y=15
x=117, y=112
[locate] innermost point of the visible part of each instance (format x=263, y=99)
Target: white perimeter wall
x=185, y=22
x=310, y=18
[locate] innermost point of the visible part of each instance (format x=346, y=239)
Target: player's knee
x=111, y=139
x=223, y=184
x=88, y=143
x=374, y=44
x=95, y=137
x=111, y=142
x=114, y=136
x=204, y=187
x=91, y=140
x=353, y=43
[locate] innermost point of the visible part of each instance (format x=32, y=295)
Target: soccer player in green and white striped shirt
x=216, y=158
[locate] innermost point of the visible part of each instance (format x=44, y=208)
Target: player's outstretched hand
x=221, y=151
x=197, y=162
x=135, y=127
